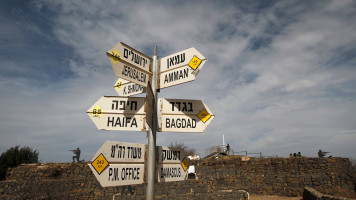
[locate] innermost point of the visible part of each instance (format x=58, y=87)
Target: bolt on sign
x=180, y=67
x=119, y=163
x=126, y=88
x=172, y=164
x=130, y=64
x=119, y=113
x=183, y=115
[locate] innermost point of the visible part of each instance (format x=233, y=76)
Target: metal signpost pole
x=151, y=161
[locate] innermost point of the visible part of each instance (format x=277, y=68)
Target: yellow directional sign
x=185, y=164
x=97, y=111
x=204, y=115
x=118, y=84
x=195, y=62
x=100, y=163
x=115, y=56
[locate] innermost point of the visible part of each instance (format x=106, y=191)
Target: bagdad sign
x=183, y=115
x=130, y=64
x=119, y=113
x=180, y=67
x=172, y=164
x=119, y=163
x=126, y=88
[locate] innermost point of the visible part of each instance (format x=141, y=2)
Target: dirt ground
x=255, y=197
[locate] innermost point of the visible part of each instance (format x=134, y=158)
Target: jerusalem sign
x=130, y=64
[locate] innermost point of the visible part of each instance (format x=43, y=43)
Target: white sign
x=172, y=164
x=171, y=172
x=119, y=113
x=169, y=155
x=180, y=67
x=183, y=115
x=130, y=64
x=180, y=59
x=119, y=163
x=125, y=88
x=119, y=152
x=121, y=174
x=176, y=77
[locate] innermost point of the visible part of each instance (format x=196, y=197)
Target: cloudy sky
x=280, y=76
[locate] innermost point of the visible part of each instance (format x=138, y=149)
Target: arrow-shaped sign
x=125, y=88
x=119, y=113
x=180, y=67
x=119, y=163
x=130, y=64
x=172, y=164
x=182, y=115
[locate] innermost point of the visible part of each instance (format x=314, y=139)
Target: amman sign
x=119, y=163
x=183, y=115
x=180, y=67
x=119, y=113
x=130, y=64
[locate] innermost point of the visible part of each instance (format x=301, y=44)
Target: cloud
x=279, y=78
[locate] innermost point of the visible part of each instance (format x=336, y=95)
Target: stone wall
x=312, y=194
x=282, y=176
x=220, y=178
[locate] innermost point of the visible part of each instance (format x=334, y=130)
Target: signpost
x=172, y=164
x=118, y=113
x=125, y=88
x=130, y=64
x=149, y=106
x=119, y=163
x=183, y=115
x=180, y=67
x=152, y=132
